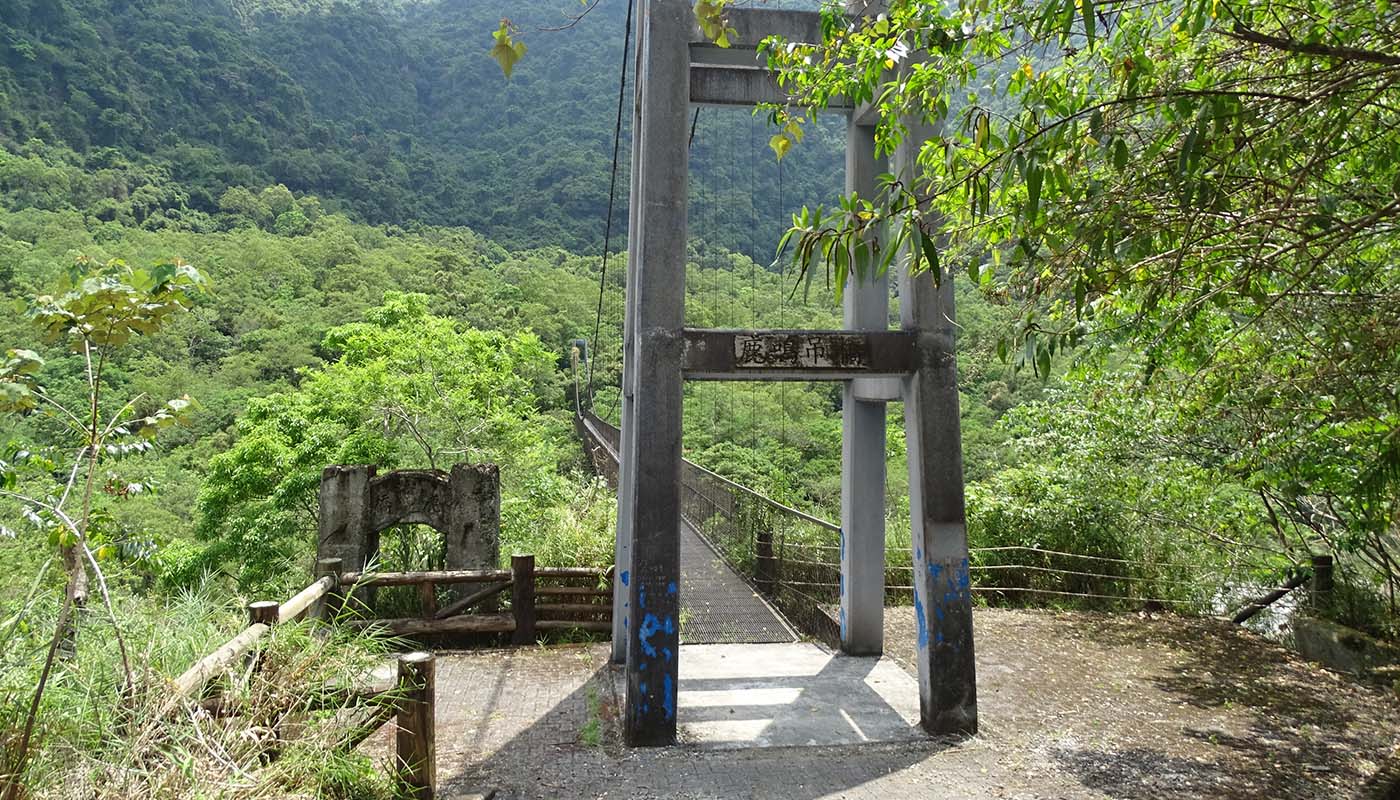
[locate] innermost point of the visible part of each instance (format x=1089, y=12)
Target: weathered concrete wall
x=356, y=505
x=1341, y=648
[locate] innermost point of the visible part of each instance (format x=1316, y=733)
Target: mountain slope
x=393, y=112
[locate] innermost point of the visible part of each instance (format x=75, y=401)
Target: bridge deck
x=717, y=606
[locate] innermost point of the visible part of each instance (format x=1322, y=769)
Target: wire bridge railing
x=793, y=558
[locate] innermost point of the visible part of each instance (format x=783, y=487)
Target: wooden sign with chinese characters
x=795, y=355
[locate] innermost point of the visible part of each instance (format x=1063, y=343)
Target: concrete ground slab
x=1073, y=707
x=793, y=694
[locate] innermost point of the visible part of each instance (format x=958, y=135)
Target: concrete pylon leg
x=942, y=584
x=653, y=493
x=622, y=551
x=863, y=445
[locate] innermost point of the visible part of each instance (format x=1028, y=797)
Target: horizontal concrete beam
x=756, y=24
x=865, y=115
x=738, y=75
x=795, y=355
x=741, y=86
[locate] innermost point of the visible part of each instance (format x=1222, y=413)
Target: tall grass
x=93, y=739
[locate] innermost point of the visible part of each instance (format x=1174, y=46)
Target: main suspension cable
x=612, y=199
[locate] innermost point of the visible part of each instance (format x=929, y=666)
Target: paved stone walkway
x=717, y=606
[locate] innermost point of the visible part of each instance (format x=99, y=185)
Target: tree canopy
x=1208, y=191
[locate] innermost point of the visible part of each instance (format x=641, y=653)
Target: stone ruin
x=464, y=505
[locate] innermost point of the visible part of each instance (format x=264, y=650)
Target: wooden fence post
x=1322, y=581
x=522, y=598
x=262, y=611
x=415, y=757
x=330, y=605
x=427, y=598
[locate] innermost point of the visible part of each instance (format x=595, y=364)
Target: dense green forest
x=392, y=112
x=332, y=232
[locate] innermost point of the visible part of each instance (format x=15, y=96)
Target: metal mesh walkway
x=717, y=606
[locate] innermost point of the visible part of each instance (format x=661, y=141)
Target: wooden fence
x=541, y=600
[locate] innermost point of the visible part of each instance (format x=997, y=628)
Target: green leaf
x=931, y=254
x=781, y=144
x=506, y=51
x=1120, y=154
x=1035, y=175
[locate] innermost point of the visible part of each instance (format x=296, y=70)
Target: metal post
x=863, y=443
x=658, y=311
x=942, y=584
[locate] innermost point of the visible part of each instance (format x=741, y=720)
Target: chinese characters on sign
x=801, y=350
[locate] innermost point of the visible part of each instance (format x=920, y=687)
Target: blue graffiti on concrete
x=919, y=617
x=650, y=625
x=842, y=616
x=671, y=587
x=642, y=596
x=666, y=651
x=668, y=697
x=625, y=575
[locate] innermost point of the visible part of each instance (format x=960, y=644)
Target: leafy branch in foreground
x=1216, y=182
x=99, y=309
x=709, y=16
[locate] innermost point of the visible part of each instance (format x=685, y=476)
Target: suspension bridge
x=756, y=632
x=743, y=625
x=703, y=559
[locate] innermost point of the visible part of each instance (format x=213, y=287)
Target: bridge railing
x=794, y=559
x=770, y=544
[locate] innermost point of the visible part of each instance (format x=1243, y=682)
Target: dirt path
x=1135, y=706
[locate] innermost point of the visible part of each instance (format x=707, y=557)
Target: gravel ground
x=1161, y=706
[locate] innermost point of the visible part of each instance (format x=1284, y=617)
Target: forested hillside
x=391, y=111
x=246, y=239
